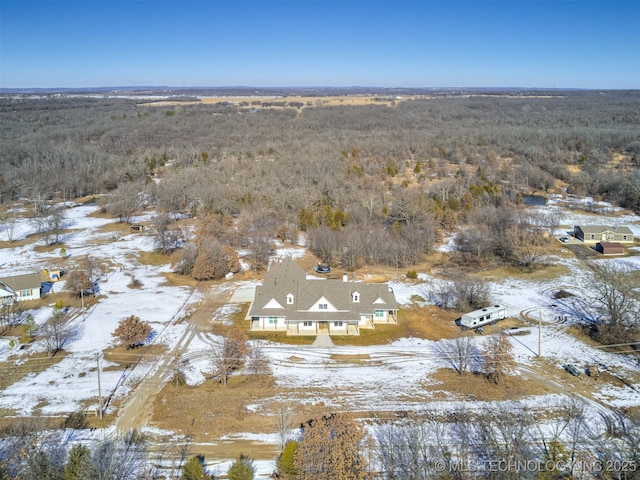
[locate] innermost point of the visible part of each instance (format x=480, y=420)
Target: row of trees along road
x=559, y=441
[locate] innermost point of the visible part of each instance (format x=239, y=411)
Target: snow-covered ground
x=388, y=377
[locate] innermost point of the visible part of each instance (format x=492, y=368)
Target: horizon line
x=301, y=87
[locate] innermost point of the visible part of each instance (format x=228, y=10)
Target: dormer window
x=355, y=296
x=290, y=299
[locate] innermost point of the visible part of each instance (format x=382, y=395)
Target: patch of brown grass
x=114, y=227
x=281, y=337
x=123, y=356
x=154, y=259
x=351, y=358
x=175, y=280
x=541, y=274
x=476, y=387
x=16, y=243
x=212, y=409
x=54, y=247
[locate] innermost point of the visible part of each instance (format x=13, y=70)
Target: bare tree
x=229, y=353
x=49, y=221
x=331, y=447
x=77, y=281
x=261, y=248
x=165, y=234
x=56, y=332
x=8, y=222
x=125, y=201
x=410, y=206
x=184, y=259
x=497, y=357
x=461, y=352
x=615, y=299
x=11, y=314
x=283, y=417
x=506, y=433
x=470, y=293
x=118, y=458
x=412, y=450
x=257, y=361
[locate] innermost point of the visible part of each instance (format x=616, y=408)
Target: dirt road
x=137, y=410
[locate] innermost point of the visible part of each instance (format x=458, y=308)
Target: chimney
x=345, y=277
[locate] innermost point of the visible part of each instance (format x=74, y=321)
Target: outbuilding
x=483, y=316
x=610, y=248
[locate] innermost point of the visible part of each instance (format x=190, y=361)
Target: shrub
x=242, y=469
x=285, y=463
x=193, y=469
x=75, y=420
x=412, y=274
x=179, y=379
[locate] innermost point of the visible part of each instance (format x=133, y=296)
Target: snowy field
x=391, y=378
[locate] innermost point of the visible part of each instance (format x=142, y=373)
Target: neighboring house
x=610, y=248
x=290, y=302
x=605, y=233
x=19, y=288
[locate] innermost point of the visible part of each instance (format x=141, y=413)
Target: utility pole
x=99, y=389
x=82, y=298
x=539, y=332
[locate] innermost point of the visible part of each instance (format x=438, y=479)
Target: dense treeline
x=508, y=441
x=396, y=176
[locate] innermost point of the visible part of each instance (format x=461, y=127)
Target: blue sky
x=456, y=43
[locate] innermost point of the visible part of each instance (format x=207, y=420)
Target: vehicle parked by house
x=323, y=268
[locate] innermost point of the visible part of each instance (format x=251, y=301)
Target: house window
x=307, y=324
x=25, y=293
x=337, y=324
x=593, y=237
x=323, y=306
x=356, y=297
x=379, y=313
x=289, y=299
x=273, y=320
x=624, y=237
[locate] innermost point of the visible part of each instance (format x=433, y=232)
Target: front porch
x=322, y=327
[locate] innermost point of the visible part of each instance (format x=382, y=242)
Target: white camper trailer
x=484, y=316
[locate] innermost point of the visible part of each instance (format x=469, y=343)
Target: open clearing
x=385, y=372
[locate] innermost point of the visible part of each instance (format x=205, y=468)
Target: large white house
x=19, y=288
x=288, y=301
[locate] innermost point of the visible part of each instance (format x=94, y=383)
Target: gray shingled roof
x=22, y=282
x=289, y=278
x=604, y=228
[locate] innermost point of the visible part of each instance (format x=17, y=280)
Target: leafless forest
x=371, y=184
